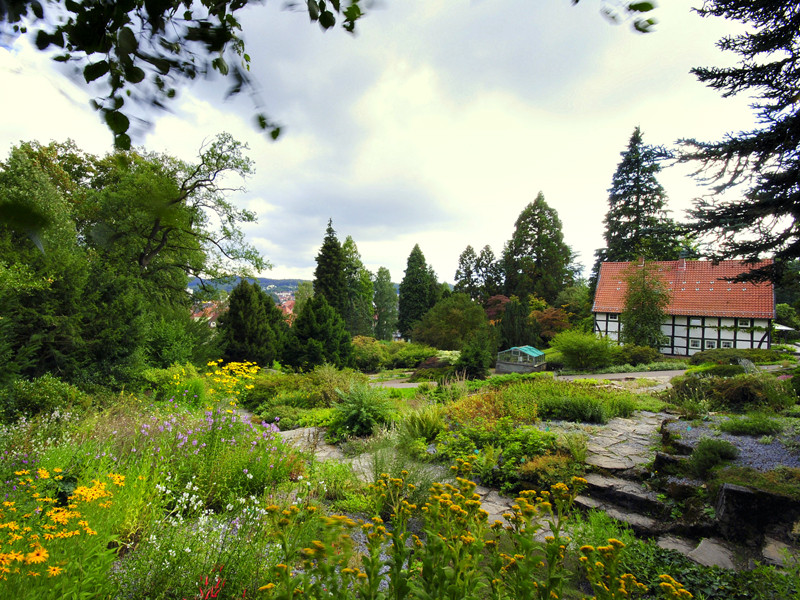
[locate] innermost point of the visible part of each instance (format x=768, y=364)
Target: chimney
x=681, y=264
x=641, y=261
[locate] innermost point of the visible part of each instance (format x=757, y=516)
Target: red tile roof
x=697, y=288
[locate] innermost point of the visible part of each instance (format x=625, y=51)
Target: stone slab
x=674, y=542
x=713, y=552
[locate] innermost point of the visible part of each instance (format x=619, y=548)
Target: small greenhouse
x=520, y=359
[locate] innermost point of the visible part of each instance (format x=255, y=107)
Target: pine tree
x=358, y=316
x=247, y=329
x=319, y=336
x=385, y=305
x=536, y=260
x=636, y=223
x=765, y=162
x=418, y=291
x=329, y=276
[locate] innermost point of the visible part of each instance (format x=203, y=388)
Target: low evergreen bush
x=708, y=454
x=583, y=351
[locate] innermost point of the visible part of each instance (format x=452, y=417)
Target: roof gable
x=698, y=288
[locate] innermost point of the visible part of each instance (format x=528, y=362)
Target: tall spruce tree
x=385, y=305
x=762, y=166
x=418, y=291
x=358, y=317
x=329, y=276
x=536, y=260
x=637, y=223
x=490, y=273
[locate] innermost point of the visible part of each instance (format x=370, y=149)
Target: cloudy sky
x=436, y=124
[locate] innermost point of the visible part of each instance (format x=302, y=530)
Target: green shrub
x=369, y=355
x=43, y=394
x=708, y=454
x=739, y=393
x=731, y=355
x=583, y=351
x=407, y=355
x=425, y=423
x=754, y=424
x=327, y=381
x=359, y=411
x=177, y=382
x=636, y=355
x=716, y=370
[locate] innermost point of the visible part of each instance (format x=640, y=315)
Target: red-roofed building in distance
x=706, y=308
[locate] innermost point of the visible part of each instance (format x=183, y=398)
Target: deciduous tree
x=646, y=299
x=450, y=323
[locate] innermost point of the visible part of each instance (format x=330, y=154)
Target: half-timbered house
x=706, y=308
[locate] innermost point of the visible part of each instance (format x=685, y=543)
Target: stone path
x=625, y=444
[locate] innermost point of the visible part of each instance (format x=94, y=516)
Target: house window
x=695, y=322
x=726, y=344
x=612, y=317
x=743, y=322
x=711, y=344
x=694, y=344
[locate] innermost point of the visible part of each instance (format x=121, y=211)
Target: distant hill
x=268, y=285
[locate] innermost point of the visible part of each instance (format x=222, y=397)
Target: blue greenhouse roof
x=529, y=350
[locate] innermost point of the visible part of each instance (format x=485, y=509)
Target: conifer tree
x=385, y=305
x=467, y=279
x=319, y=336
x=358, y=316
x=536, y=260
x=760, y=166
x=515, y=326
x=418, y=291
x=637, y=223
x=329, y=276
x=252, y=329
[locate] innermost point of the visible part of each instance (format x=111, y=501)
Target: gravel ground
x=784, y=450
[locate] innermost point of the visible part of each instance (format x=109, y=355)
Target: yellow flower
x=52, y=571
x=267, y=587
x=43, y=474
x=39, y=555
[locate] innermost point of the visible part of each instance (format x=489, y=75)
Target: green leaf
x=134, y=75
x=327, y=20
x=117, y=122
x=122, y=141
x=95, y=70
x=275, y=133
x=313, y=10
x=126, y=41
x=641, y=6
x=644, y=25
x=220, y=65
x=42, y=39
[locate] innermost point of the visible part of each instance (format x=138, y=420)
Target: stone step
x=625, y=493
x=642, y=525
